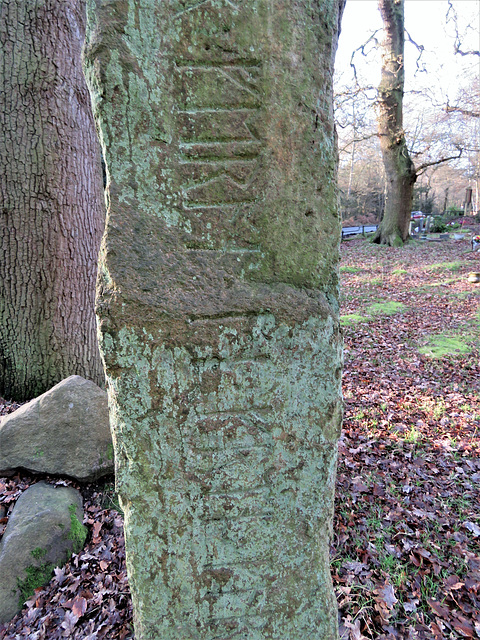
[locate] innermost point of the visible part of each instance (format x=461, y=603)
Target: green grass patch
x=465, y=294
x=399, y=272
x=456, y=265
x=375, y=309
x=437, y=284
x=352, y=318
x=370, y=281
x=413, y=436
x=441, y=345
x=346, y=269
x=385, y=308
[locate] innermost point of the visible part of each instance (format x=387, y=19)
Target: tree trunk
x=219, y=309
x=52, y=204
x=400, y=172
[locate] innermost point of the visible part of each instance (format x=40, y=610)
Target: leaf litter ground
x=406, y=545
x=406, y=552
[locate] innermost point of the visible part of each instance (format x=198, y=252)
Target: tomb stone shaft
x=218, y=308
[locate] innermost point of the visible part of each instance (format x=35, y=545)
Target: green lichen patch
x=78, y=532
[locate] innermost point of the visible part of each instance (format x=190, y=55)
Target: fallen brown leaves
x=406, y=552
x=406, y=548
x=88, y=598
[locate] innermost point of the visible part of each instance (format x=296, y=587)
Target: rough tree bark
x=400, y=174
x=52, y=205
x=219, y=308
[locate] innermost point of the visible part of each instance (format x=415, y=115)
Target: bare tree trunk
x=52, y=210
x=352, y=158
x=400, y=174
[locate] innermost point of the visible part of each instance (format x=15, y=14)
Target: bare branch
x=355, y=140
x=452, y=17
x=421, y=169
x=361, y=48
x=420, y=48
x=462, y=111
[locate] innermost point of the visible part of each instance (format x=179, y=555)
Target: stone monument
x=218, y=308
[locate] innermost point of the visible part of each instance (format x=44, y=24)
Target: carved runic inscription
x=197, y=4
x=219, y=139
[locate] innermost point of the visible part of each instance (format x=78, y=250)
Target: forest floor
x=406, y=544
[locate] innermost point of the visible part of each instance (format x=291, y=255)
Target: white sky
x=425, y=20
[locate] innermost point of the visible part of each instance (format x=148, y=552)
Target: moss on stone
x=35, y=577
x=78, y=532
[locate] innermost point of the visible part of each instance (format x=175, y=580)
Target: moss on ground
x=347, y=269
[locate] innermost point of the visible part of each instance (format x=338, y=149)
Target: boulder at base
x=44, y=529
x=64, y=431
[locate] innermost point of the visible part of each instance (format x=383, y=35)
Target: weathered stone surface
x=218, y=308
x=43, y=530
x=65, y=431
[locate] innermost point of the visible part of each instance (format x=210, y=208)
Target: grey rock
x=64, y=431
x=42, y=532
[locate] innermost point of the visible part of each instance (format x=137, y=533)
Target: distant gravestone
x=218, y=309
